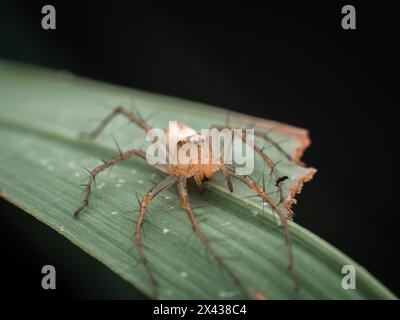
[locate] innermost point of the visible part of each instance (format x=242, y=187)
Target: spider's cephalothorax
x=178, y=173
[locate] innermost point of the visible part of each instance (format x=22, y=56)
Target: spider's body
x=200, y=171
x=184, y=136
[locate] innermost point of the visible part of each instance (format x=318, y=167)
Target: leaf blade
x=42, y=168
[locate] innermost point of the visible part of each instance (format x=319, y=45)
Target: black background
x=289, y=62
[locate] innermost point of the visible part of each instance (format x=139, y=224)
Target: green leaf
x=42, y=164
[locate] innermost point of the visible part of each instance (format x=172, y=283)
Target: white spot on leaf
x=183, y=274
x=226, y=294
x=71, y=164
x=101, y=185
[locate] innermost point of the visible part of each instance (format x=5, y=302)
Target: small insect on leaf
x=281, y=179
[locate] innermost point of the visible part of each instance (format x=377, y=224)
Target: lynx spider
x=178, y=175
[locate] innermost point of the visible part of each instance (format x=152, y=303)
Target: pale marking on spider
x=178, y=174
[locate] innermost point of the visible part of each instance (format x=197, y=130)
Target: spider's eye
x=180, y=143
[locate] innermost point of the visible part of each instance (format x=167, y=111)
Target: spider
x=178, y=175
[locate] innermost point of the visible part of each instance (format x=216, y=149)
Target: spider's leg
x=199, y=183
x=119, y=110
x=274, y=172
x=283, y=216
x=93, y=173
x=225, y=172
x=196, y=227
x=263, y=135
x=168, y=182
x=271, y=165
x=228, y=178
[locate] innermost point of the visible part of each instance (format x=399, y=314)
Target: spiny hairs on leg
x=119, y=110
x=168, y=182
x=93, y=173
x=277, y=176
x=276, y=145
x=270, y=163
x=283, y=216
x=181, y=182
x=123, y=155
